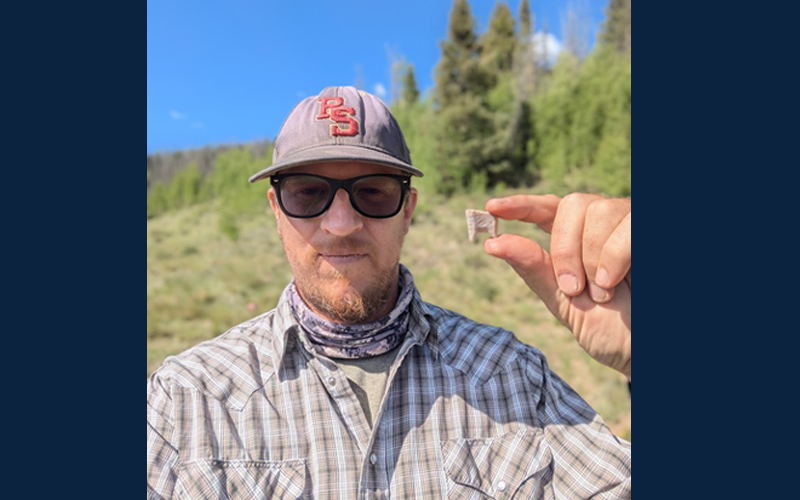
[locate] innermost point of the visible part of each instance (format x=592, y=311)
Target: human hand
x=585, y=279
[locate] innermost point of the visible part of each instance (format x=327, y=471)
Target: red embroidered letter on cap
x=333, y=109
x=325, y=106
x=341, y=116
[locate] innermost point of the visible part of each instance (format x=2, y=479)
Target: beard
x=353, y=306
x=334, y=294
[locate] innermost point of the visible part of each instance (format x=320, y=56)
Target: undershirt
x=367, y=377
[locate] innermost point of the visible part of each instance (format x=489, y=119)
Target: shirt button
x=501, y=486
x=332, y=381
x=373, y=459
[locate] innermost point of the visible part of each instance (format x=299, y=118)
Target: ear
x=408, y=208
x=273, y=202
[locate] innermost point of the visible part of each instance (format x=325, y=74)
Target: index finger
x=538, y=209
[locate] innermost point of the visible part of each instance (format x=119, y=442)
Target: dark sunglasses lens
x=304, y=196
x=378, y=196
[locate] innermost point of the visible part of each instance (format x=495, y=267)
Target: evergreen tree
x=461, y=87
x=525, y=20
x=499, y=42
x=525, y=57
x=499, y=45
x=525, y=76
x=617, y=26
x=410, y=92
x=458, y=71
x=507, y=57
x=506, y=150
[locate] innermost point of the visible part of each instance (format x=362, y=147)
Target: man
x=353, y=387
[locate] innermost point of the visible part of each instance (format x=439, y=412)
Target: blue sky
x=229, y=72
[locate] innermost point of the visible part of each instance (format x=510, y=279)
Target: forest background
x=500, y=120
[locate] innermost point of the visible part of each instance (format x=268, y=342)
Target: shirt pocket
x=512, y=466
x=242, y=480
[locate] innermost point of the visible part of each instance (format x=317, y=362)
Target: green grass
x=199, y=284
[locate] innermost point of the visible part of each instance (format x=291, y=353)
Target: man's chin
x=340, y=289
x=340, y=302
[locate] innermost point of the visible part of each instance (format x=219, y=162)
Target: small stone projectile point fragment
x=479, y=221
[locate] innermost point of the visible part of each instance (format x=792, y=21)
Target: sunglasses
x=304, y=196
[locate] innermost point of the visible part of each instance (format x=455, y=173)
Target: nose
x=341, y=219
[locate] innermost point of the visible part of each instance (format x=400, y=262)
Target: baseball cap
x=340, y=124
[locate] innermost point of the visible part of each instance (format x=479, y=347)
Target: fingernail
x=601, y=278
x=568, y=283
x=597, y=293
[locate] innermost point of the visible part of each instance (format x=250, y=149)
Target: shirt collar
x=422, y=325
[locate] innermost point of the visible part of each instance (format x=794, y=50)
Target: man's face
x=345, y=264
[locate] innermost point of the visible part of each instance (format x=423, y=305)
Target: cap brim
x=339, y=152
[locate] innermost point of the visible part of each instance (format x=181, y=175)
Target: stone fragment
x=479, y=221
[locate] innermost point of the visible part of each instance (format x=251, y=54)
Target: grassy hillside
x=199, y=284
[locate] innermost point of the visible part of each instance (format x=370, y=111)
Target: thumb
x=530, y=261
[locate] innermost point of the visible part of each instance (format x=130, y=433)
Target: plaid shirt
x=469, y=413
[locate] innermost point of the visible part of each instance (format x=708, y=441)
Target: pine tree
x=499, y=48
x=461, y=87
x=525, y=20
x=410, y=93
x=526, y=79
x=499, y=42
x=617, y=26
x=458, y=71
x=525, y=56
